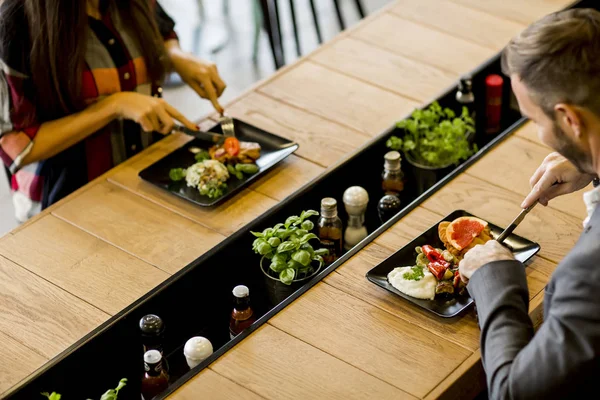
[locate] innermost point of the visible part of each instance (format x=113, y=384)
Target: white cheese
x=424, y=288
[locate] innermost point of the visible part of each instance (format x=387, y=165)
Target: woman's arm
x=153, y=114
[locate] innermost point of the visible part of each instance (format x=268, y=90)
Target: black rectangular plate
x=273, y=150
x=523, y=249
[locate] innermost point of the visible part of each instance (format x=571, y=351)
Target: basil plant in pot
x=434, y=139
x=288, y=257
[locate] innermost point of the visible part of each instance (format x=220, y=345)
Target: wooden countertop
x=83, y=260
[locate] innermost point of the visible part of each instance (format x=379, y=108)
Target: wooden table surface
x=83, y=260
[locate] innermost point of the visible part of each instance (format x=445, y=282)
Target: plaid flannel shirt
x=113, y=63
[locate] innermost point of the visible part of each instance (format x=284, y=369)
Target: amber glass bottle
x=330, y=230
x=392, y=176
x=242, y=315
x=155, y=379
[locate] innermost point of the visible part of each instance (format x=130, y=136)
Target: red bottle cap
x=493, y=85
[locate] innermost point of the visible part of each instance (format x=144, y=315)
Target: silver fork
x=227, y=126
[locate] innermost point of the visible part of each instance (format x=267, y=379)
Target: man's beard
x=568, y=149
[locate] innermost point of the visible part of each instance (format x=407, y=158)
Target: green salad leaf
x=415, y=274
x=177, y=174
x=202, y=155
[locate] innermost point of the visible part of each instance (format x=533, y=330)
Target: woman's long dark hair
x=57, y=32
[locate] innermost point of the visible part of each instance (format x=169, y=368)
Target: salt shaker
x=355, y=199
x=196, y=350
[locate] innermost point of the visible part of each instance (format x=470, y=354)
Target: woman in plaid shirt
x=78, y=79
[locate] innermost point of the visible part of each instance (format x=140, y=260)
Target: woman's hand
x=200, y=75
x=152, y=113
x=556, y=176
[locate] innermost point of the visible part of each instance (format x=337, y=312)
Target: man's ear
x=569, y=118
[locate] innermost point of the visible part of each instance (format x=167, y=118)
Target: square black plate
x=523, y=249
x=273, y=150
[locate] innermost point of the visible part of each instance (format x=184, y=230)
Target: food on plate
x=233, y=151
x=214, y=167
x=414, y=281
x=462, y=234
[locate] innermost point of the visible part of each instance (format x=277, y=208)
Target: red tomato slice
x=232, y=146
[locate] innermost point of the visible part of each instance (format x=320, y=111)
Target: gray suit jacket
x=562, y=360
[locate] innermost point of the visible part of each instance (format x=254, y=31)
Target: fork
x=227, y=126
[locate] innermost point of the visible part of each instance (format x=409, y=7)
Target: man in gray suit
x=554, y=67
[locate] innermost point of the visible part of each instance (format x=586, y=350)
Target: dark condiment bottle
x=392, y=176
x=153, y=333
x=388, y=206
x=493, y=103
x=330, y=230
x=465, y=96
x=155, y=379
x=242, y=315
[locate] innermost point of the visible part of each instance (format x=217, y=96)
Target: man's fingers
x=539, y=189
x=537, y=175
x=180, y=117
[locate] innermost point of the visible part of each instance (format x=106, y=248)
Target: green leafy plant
x=287, y=246
x=435, y=136
x=110, y=394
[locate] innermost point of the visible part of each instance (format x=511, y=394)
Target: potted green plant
x=434, y=139
x=288, y=259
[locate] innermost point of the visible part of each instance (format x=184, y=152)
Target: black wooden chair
x=272, y=24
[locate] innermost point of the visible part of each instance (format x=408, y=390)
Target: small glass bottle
x=356, y=199
x=388, y=206
x=242, y=315
x=330, y=230
x=153, y=333
x=465, y=96
x=155, y=379
x=392, y=176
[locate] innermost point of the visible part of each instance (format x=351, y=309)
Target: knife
x=204, y=136
x=515, y=223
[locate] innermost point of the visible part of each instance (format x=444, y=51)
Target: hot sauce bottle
x=493, y=103
x=330, y=230
x=242, y=315
x=155, y=379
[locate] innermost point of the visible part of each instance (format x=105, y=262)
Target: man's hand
x=556, y=176
x=202, y=76
x=480, y=255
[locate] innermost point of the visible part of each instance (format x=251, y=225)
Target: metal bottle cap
x=241, y=291
x=152, y=324
x=392, y=161
x=329, y=207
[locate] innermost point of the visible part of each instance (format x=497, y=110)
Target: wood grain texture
x=511, y=165
x=482, y=28
x=465, y=382
x=424, y=44
x=385, y=69
x=225, y=218
x=83, y=265
x=370, y=339
x=42, y=316
x=210, y=385
x=408, y=228
x=340, y=98
x=287, y=177
x=529, y=131
x=17, y=363
x=141, y=228
x=555, y=231
x=321, y=141
x=277, y=366
x=524, y=12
